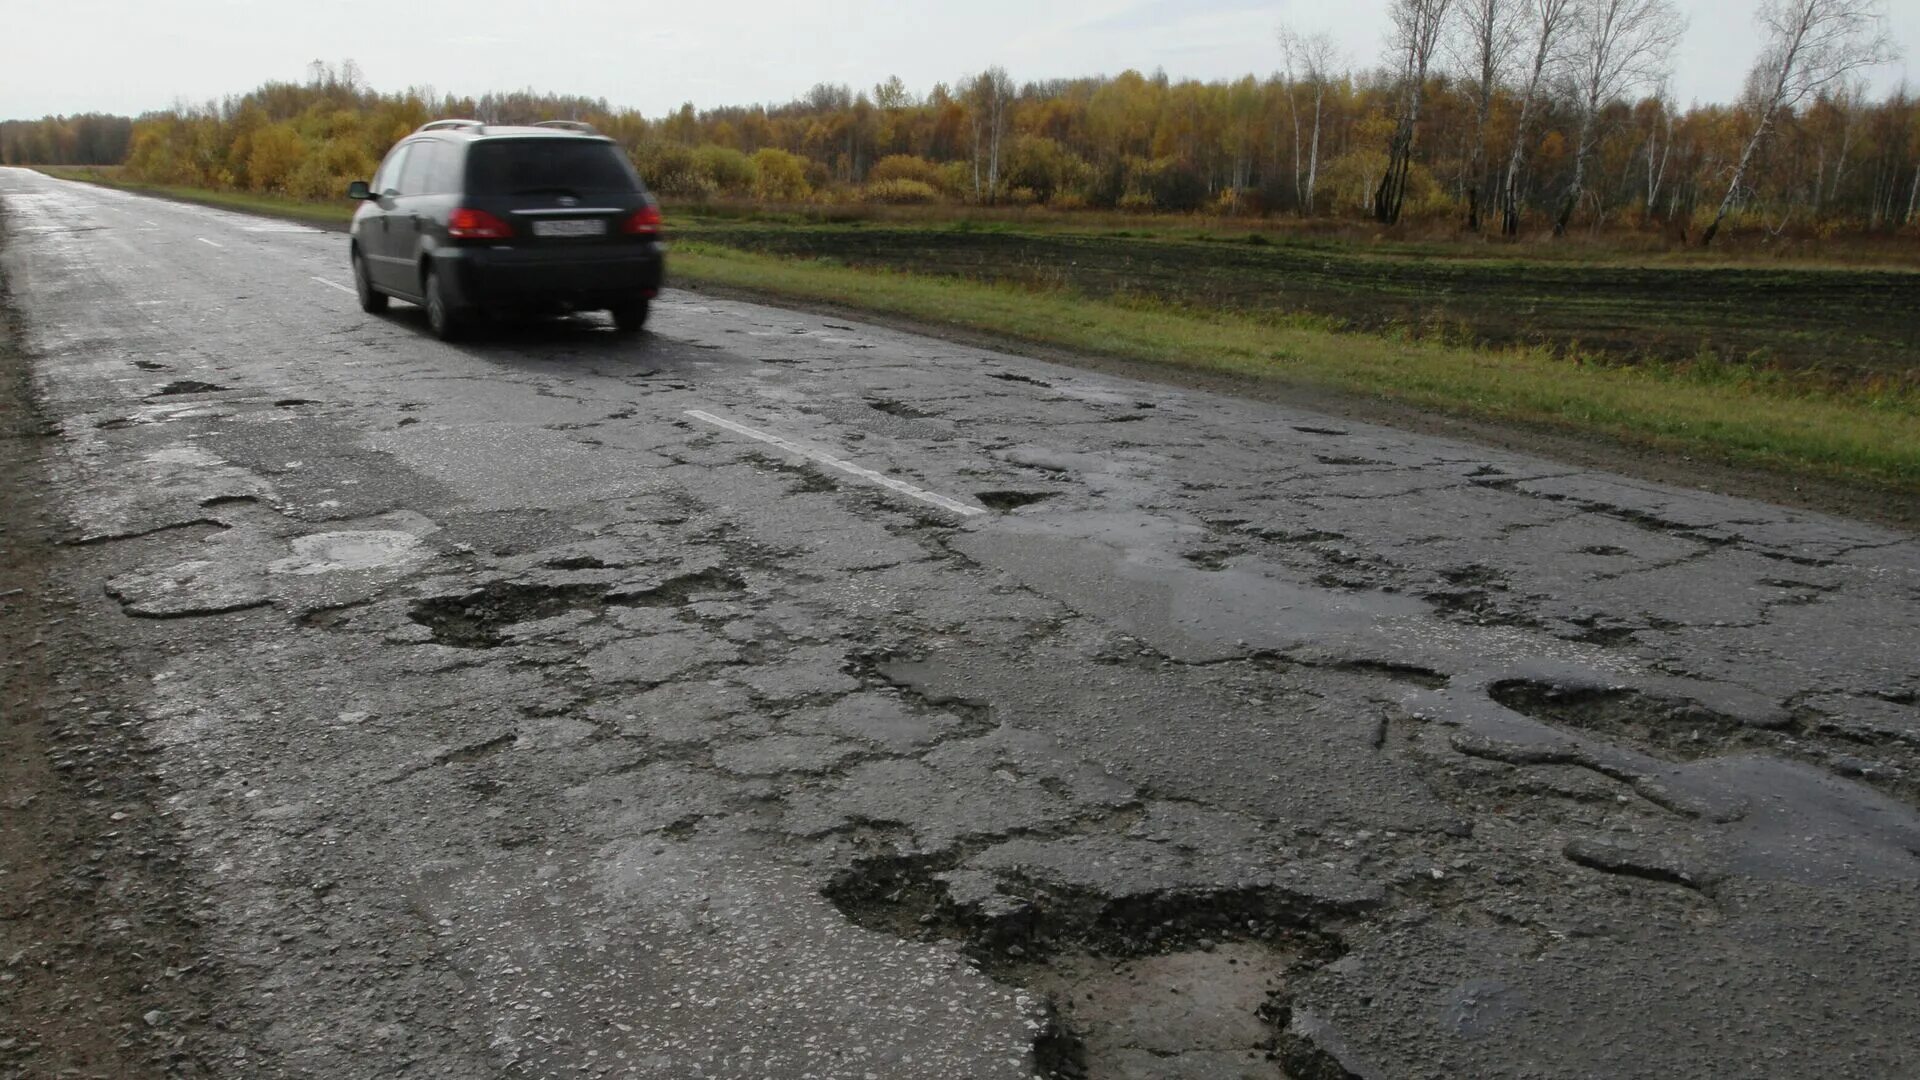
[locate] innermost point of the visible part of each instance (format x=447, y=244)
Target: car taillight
x=645, y=221
x=464, y=224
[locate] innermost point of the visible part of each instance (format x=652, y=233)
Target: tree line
x=1544, y=114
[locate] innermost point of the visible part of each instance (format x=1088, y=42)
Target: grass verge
x=1856, y=437
x=327, y=214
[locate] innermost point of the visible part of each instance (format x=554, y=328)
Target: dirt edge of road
x=1583, y=451
x=100, y=973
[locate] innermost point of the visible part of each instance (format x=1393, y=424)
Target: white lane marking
x=847, y=467
x=208, y=242
x=151, y=222
x=336, y=285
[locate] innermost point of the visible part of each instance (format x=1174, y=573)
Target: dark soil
x=99, y=973
x=1844, y=324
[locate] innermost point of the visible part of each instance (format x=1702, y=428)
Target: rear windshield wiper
x=551, y=190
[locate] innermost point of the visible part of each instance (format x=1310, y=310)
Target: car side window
x=415, y=177
x=388, y=178
x=444, y=179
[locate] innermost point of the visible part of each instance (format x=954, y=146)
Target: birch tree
x=1311, y=58
x=1416, y=33
x=1486, y=34
x=1548, y=20
x=989, y=98
x=1811, y=45
x=1618, y=46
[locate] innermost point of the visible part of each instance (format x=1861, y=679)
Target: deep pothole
x=1675, y=729
x=1004, y=501
x=1681, y=730
x=188, y=386
x=1175, y=982
x=481, y=618
x=899, y=408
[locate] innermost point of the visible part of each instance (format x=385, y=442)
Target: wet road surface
x=774, y=695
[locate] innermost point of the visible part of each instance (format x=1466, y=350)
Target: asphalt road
x=772, y=695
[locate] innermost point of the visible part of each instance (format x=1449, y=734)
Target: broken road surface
x=775, y=695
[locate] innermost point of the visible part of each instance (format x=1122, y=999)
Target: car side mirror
x=359, y=190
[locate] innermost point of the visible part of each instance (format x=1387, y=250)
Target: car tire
x=371, y=301
x=630, y=317
x=443, y=318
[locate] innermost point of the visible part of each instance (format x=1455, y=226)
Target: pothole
x=1008, y=376
x=898, y=408
x=188, y=386
x=1678, y=730
x=1011, y=500
x=479, y=619
x=1178, y=982
x=475, y=620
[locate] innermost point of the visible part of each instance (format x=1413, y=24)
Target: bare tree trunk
x=1811, y=44
x=1622, y=44
x=1739, y=175
x=1417, y=26
x=1657, y=177
x=1299, y=192
x=1577, y=185
x=1846, y=147
x=1549, y=18
x=1313, y=156
x=1488, y=27
x=1318, y=55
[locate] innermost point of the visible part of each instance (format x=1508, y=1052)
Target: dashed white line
x=848, y=467
x=336, y=285
x=208, y=242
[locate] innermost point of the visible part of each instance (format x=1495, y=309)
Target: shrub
x=275, y=152
x=905, y=167
x=902, y=192
x=955, y=180
x=780, y=176
x=725, y=170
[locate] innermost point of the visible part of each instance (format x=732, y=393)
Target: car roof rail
x=570, y=125
x=444, y=125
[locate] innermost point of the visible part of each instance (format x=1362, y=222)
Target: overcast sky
x=127, y=56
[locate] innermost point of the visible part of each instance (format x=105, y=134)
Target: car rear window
x=530, y=166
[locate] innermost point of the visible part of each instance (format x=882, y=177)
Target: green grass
x=328, y=214
x=1855, y=436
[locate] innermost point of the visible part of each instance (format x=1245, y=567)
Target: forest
x=1508, y=115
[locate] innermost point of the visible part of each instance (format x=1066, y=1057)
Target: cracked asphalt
x=941, y=713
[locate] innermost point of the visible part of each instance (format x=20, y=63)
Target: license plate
x=570, y=227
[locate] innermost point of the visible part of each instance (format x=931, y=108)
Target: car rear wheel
x=629, y=317
x=371, y=302
x=442, y=317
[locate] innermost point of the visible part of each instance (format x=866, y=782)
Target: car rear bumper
x=502, y=276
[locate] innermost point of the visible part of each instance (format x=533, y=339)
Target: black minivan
x=465, y=218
